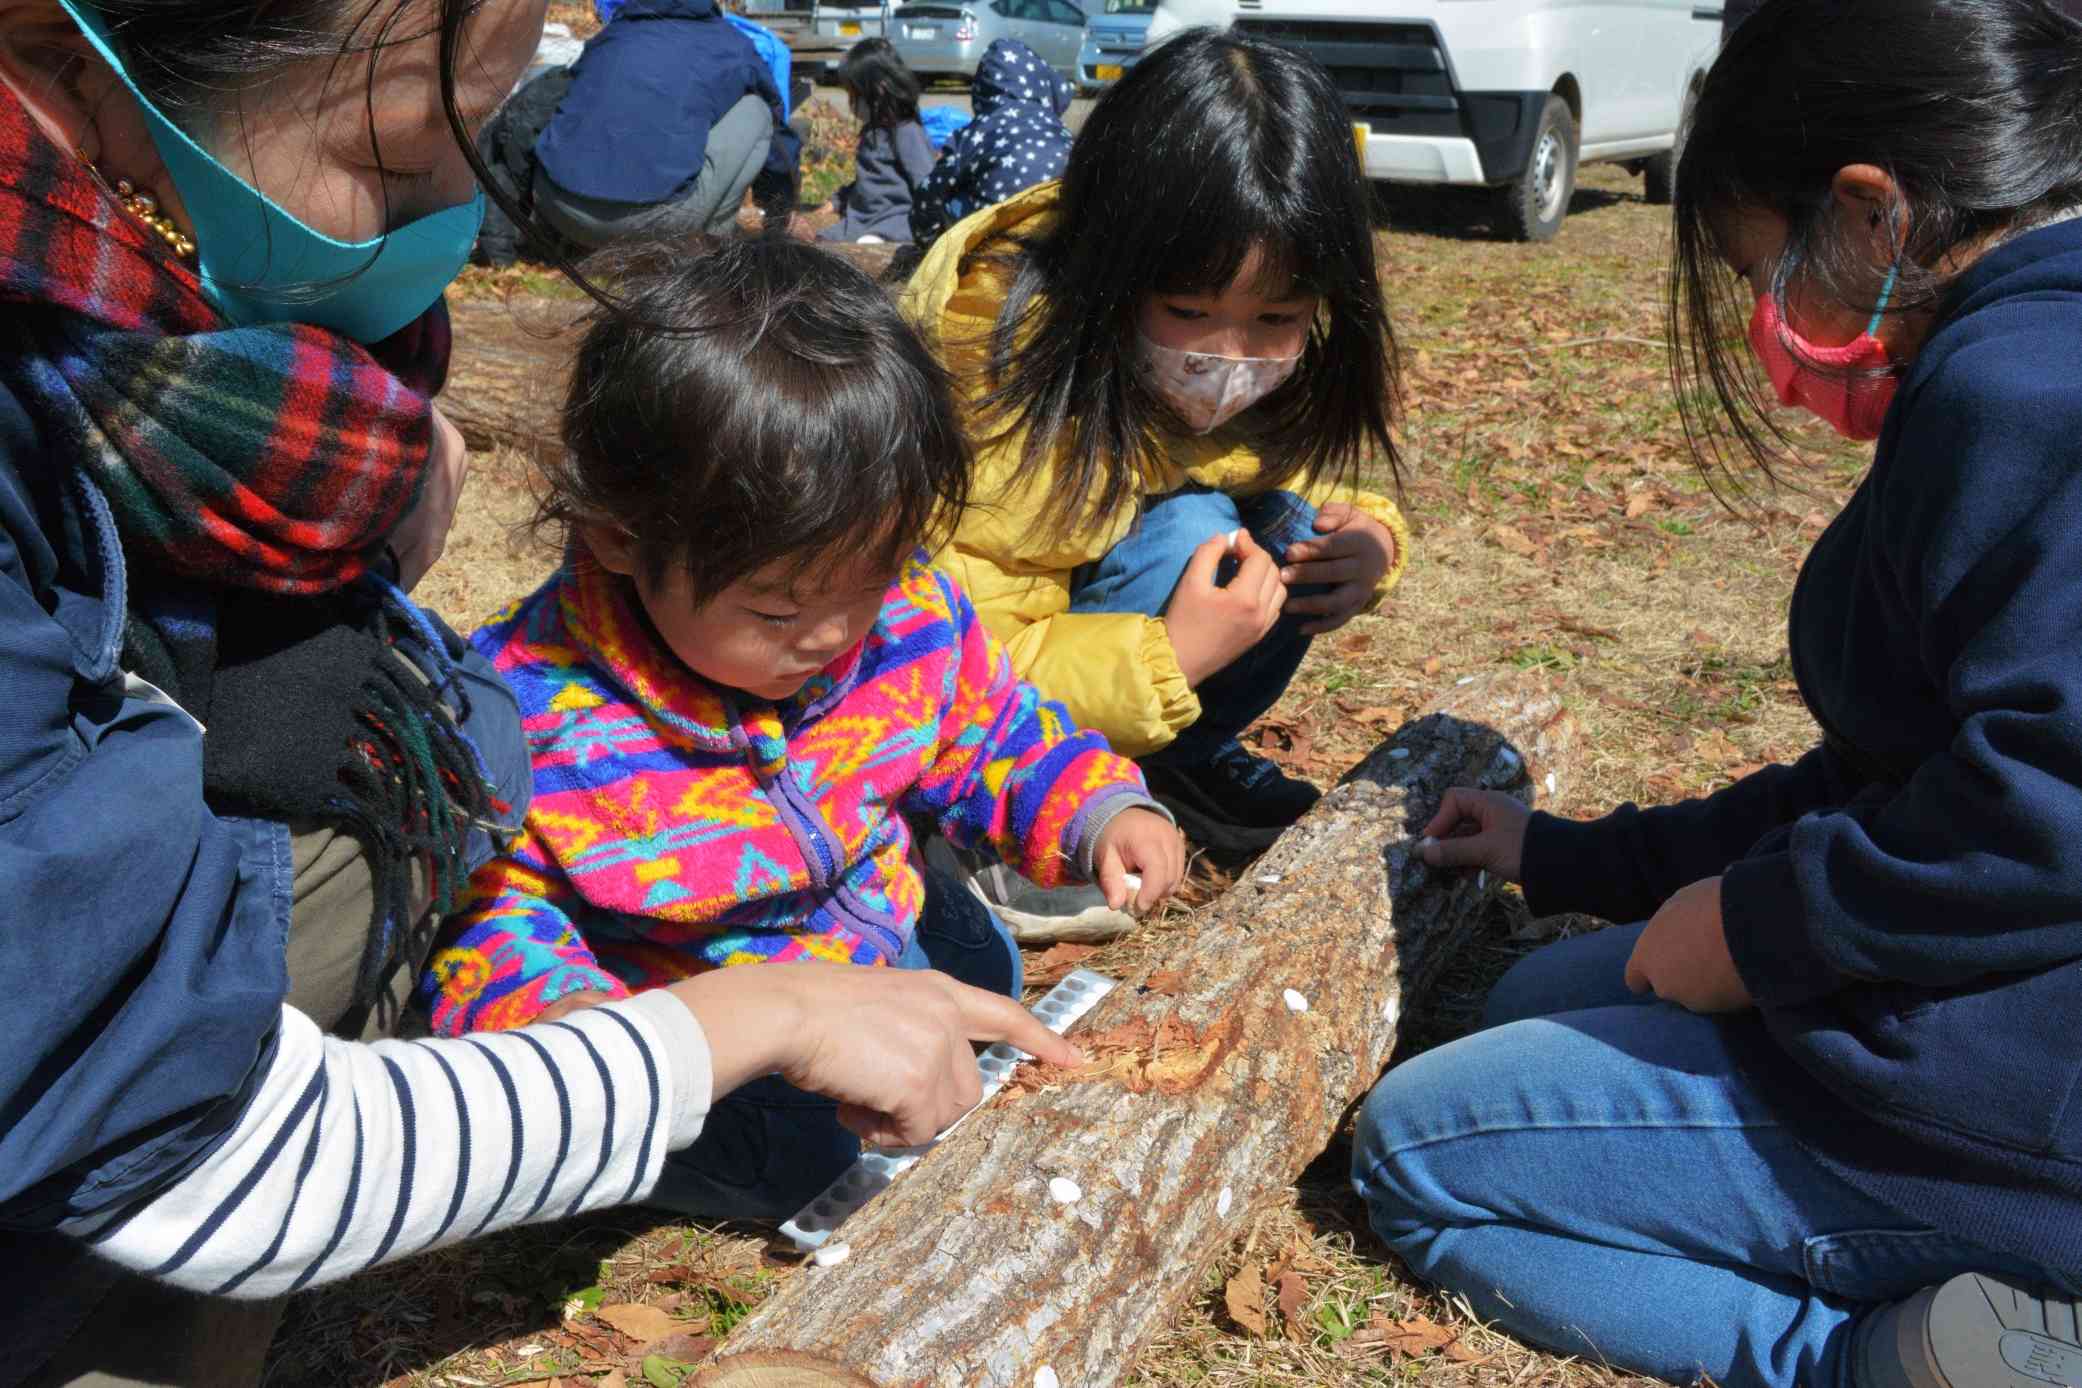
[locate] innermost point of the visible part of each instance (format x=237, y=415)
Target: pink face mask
x=1855, y=401
x=1206, y=391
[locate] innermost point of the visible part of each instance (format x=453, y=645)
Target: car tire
x=1660, y=172
x=1535, y=204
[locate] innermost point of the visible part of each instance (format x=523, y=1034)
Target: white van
x=1504, y=94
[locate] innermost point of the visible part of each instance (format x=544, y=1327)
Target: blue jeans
x=768, y=1148
x=1140, y=573
x=1594, y=1173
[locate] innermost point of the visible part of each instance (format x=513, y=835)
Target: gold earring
x=143, y=206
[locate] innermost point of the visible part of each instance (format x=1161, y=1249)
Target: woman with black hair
x=1178, y=362
x=894, y=158
x=240, y=770
x=1819, y=1119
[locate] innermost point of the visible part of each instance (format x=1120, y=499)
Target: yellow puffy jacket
x=1115, y=671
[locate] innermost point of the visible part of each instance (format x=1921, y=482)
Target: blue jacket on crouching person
x=634, y=126
x=1905, y=902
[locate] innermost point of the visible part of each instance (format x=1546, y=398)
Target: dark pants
x=768, y=1149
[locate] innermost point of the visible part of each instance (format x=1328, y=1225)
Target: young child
x=1182, y=340
x=1017, y=140
x=743, y=678
x=895, y=156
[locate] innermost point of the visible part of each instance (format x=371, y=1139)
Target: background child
x=1018, y=139
x=1182, y=340
x=743, y=677
x=894, y=157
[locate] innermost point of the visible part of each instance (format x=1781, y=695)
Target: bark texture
x=1203, y=1099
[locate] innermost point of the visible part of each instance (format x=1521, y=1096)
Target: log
x=506, y=379
x=1204, y=1098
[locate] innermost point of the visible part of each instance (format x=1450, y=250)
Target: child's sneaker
x=1236, y=804
x=1975, y=1331
x=1035, y=915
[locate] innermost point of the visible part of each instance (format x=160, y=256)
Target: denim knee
x=1396, y=1205
x=1573, y=975
x=1277, y=520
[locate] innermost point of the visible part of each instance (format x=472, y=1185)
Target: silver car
x=845, y=22
x=946, y=38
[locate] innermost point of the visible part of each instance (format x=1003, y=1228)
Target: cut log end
x=777, y=1369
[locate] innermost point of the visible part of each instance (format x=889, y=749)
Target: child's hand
x=571, y=1002
x=1477, y=829
x=1355, y=553
x=1683, y=956
x=1211, y=625
x=1142, y=843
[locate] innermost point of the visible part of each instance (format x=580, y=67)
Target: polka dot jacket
x=1017, y=140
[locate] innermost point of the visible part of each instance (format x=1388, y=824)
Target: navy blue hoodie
x=634, y=126
x=1905, y=902
x=1017, y=140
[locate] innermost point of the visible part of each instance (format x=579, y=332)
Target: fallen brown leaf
x=1513, y=540
x=639, y=1322
x=1245, y=1299
x=1293, y=1299
x=1169, y=982
x=1414, y=1336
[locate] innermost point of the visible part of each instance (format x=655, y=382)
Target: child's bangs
x=1211, y=252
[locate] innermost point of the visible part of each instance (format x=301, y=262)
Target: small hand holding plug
x=1140, y=859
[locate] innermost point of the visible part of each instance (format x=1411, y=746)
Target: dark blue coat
x=144, y=935
x=634, y=126
x=1017, y=140
x=1905, y=903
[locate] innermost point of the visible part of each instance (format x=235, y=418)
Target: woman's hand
x=1145, y=844
x=423, y=533
x=1683, y=957
x=1478, y=829
x=1209, y=625
x=1353, y=556
x=891, y=1045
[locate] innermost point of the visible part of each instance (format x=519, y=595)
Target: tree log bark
x=1201, y=1102
x=506, y=380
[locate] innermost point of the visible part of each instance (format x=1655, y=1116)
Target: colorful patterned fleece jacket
x=679, y=826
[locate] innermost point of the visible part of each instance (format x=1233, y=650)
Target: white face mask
x=1206, y=391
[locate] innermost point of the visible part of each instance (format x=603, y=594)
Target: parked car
x=841, y=25
x=1112, y=42
x=946, y=38
x=1506, y=94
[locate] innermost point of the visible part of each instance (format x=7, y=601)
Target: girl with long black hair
x=894, y=157
x=1817, y=1120
x=1178, y=361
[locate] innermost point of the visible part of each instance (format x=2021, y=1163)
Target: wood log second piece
x=1197, y=1106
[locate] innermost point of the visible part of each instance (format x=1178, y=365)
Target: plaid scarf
x=252, y=473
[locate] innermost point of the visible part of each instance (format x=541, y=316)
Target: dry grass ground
x=1559, y=525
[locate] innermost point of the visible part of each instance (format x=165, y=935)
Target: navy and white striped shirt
x=352, y=1154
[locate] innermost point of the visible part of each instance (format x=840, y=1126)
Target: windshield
x=1128, y=7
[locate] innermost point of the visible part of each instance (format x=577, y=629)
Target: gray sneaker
x=1975, y=1331
x=1035, y=915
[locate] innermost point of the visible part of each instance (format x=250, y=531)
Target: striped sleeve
x=350, y=1155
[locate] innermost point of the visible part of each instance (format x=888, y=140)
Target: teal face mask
x=261, y=265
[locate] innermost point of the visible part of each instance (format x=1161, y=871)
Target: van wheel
x=1535, y=205
x=1659, y=172
x=1659, y=179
